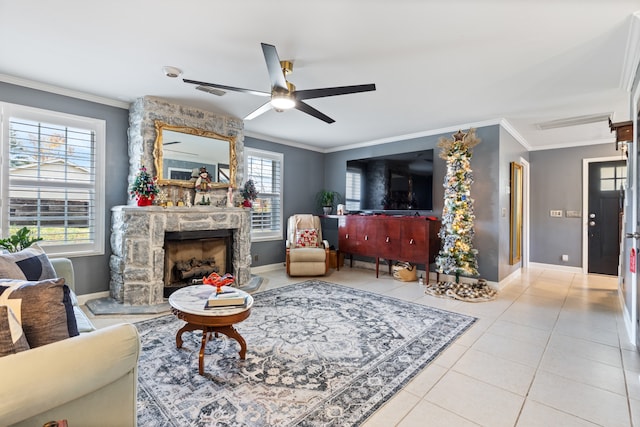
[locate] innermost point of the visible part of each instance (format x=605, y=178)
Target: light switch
x=573, y=214
x=555, y=214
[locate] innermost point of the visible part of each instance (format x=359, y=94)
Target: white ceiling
x=437, y=65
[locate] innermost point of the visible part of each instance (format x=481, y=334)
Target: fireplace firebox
x=192, y=255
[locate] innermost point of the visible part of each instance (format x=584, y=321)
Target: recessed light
x=170, y=71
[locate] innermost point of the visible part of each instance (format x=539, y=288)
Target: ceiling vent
x=573, y=121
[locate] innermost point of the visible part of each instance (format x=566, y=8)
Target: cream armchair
x=307, y=253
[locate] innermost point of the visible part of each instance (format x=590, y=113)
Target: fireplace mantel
x=137, y=243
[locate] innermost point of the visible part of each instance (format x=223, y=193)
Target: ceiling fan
x=284, y=95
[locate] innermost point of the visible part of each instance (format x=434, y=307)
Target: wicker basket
x=405, y=272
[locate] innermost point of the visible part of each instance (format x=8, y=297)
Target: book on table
x=227, y=298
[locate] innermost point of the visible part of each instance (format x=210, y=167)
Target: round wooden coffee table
x=188, y=305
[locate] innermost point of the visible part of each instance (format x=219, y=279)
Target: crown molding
x=282, y=141
x=515, y=134
x=632, y=54
x=501, y=122
x=63, y=91
x=415, y=135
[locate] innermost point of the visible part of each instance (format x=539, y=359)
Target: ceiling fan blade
x=261, y=110
x=332, y=91
x=235, y=89
x=211, y=90
x=273, y=66
x=306, y=108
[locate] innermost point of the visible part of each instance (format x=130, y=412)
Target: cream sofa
x=88, y=380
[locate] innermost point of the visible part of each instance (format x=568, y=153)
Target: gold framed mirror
x=179, y=153
x=515, y=218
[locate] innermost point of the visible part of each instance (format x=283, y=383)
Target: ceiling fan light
x=282, y=102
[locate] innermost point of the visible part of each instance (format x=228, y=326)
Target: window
x=612, y=178
x=352, y=195
x=265, y=169
x=53, y=181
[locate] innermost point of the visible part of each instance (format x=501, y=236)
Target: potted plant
x=144, y=188
x=18, y=241
x=249, y=193
x=326, y=199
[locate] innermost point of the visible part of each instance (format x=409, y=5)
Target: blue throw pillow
x=28, y=264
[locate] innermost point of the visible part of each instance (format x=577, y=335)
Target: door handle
x=592, y=223
x=634, y=235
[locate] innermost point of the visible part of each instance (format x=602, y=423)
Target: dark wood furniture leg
x=232, y=333
x=229, y=331
x=205, y=338
x=186, y=328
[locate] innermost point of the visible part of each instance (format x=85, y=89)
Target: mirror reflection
x=180, y=153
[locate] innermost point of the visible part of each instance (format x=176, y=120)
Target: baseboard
x=514, y=275
x=82, y=299
x=565, y=268
x=628, y=323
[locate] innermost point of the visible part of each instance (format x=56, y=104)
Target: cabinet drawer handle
x=346, y=236
x=411, y=242
x=387, y=240
x=366, y=237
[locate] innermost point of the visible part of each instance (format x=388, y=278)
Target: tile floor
x=551, y=350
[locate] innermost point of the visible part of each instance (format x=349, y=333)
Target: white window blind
x=53, y=174
x=265, y=169
x=352, y=195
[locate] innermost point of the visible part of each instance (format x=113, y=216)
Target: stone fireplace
x=138, y=244
x=137, y=264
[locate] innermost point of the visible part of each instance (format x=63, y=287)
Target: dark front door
x=605, y=207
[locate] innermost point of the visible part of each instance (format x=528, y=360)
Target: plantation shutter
x=265, y=169
x=352, y=194
x=52, y=181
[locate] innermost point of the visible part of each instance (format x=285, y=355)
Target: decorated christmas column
x=457, y=256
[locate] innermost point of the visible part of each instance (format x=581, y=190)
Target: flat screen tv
x=391, y=182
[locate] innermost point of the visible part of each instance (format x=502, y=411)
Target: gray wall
x=302, y=179
x=556, y=183
x=510, y=151
x=92, y=272
x=486, y=170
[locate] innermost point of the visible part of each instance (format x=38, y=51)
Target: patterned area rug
x=317, y=354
